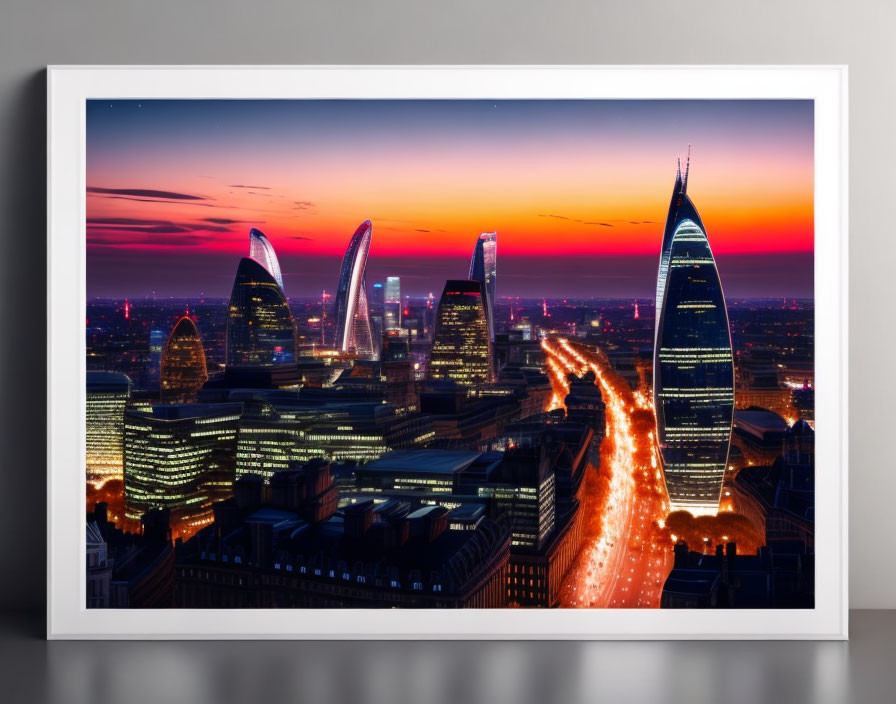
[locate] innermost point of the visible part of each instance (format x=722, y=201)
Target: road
x=627, y=553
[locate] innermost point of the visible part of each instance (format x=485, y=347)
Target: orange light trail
x=626, y=559
x=559, y=382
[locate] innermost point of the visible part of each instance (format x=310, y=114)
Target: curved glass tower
x=260, y=329
x=483, y=268
x=183, y=370
x=353, y=331
x=461, y=349
x=262, y=251
x=693, y=367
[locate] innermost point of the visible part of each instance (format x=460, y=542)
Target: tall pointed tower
x=353, y=331
x=693, y=366
x=262, y=251
x=483, y=267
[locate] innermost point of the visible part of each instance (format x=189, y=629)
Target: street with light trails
x=627, y=553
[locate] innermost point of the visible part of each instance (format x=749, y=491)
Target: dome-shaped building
x=183, y=369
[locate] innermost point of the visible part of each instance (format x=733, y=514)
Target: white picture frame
x=68, y=87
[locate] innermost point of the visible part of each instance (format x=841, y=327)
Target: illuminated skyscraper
x=429, y=315
x=377, y=298
x=392, y=303
x=183, y=369
x=377, y=311
x=107, y=397
x=269, y=440
x=180, y=458
x=461, y=349
x=693, y=367
x=483, y=267
x=156, y=345
x=260, y=330
x=262, y=251
x=353, y=331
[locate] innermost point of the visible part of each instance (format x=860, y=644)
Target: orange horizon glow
x=433, y=228
x=552, y=178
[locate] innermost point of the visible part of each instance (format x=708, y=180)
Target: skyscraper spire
x=687, y=170
x=262, y=251
x=483, y=268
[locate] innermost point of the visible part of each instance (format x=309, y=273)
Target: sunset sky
x=577, y=191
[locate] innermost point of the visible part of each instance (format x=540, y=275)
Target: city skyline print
x=477, y=354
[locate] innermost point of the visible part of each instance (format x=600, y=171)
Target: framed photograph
x=447, y=352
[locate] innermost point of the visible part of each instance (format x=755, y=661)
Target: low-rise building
x=291, y=547
x=129, y=570
x=780, y=575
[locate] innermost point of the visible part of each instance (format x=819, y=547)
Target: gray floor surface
x=861, y=670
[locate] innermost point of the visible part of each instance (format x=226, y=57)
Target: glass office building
x=179, y=457
x=483, y=267
x=461, y=348
x=262, y=251
x=353, y=330
x=693, y=366
x=392, y=303
x=260, y=329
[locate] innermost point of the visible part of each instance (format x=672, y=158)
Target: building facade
x=267, y=440
x=377, y=315
x=392, y=303
x=260, y=329
x=289, y=546
x=107, y=397
x=183, y=368
x=353, y=330
x=461, y=348
x=129, y=570
x=99, y=569
x=534, y=490
x=693, y=366
x=179, y=458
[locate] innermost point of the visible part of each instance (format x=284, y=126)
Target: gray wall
x=34, y=33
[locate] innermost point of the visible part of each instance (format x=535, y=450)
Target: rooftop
x=429, y=461
x=191, y=410
x=272, y=516
x=759, y=421
x=433, y=511
x=467, y=512
x=107, y=381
